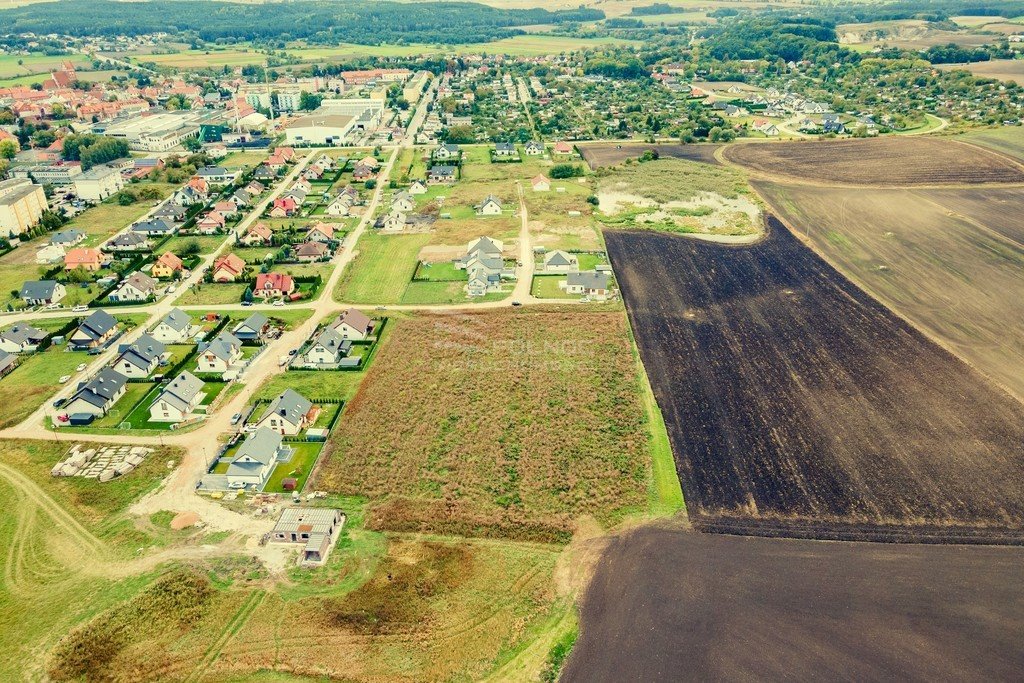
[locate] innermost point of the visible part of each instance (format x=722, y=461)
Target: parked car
x=80, y=309
x=80, y=368
x=64, y=379
x=235, y=418
x=517, y=303
x=279, y=302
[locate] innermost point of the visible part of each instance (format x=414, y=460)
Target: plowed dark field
x=896, y=162
x=670, y=605
x=605, y=154
x=798, y=405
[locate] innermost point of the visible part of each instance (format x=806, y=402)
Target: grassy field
x=382, y=269
x=207, y=244
x=34, y=382
x=1008, y=140
x=679, y=196
x=312, y=384
x=546, y=287
x=526, y=393
x=212, y=294
x=12, y=66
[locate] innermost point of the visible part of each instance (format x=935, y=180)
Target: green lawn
x=546, y=287
x=18, y=65
x=327, y=413
x=34, y=382
x=382, y=269
x=124, y=407
x=207, y=244
x=212, y=294
x=138, y=418
x=442, y=271
x=590, y=261
x=242, y=159
x=103, y=220
x=301, y=464
x=312, y=384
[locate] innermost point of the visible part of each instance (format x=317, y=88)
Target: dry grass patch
x=498, y=423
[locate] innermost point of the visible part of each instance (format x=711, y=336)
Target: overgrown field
x=884, y=161
x=509, y=424
x=605, y=154
x=793, y=399
x=678, y=196
x=950, y=261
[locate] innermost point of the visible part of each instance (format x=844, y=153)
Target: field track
x=798, y=405
x=684, y=606
x=883, y=162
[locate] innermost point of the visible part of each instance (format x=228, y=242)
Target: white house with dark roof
x=490, y=206
x=253, y=329
x=95, y=331
x=137, y=287
x=175, y=328
x=588, y=283
x=328, y=349
x=561, y=262
x=288, y=414
x=21, y=338
x=256, y=458
x=219, y=355
x=178, y=400
x=42, y=292
x=353, y=324
x=97, y=396
x=140, y=358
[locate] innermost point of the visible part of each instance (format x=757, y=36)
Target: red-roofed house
x=273, y=285
x=228, y=268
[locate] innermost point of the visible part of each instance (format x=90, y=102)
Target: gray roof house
x=288, y=414
x=154, y=226
x=588, y=283
x=8, y=361
x=328, y=349
x=136, y=287
x=94, y=331
x=220, y=354
x=314, y=528
x=39, y=292
x=67, y=238
x=178, y=400
x=20, y=338
x=139, y=358
x=256, y=458
x=171, y=211
x=128, y=241
x=98, y=395
x=175, y=328
x=252, y=328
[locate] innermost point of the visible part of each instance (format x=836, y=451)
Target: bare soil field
x=793, y=398
x=1003, y=69
x=950, y=261
x=694, y=607
x=889, y=161
x=604, y=154
x=497, y=423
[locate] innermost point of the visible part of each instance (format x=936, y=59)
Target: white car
x=64, y=379
x=79, y=309
x=80, y=368
x=279, y=302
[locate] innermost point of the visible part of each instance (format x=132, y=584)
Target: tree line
x=368, y=23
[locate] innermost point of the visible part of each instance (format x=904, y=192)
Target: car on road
x=81, y=366
x=59, y=402
x=236, y=485
x=64, y=379
x=293, y=352
x=247, y=303
x=279, y=302
x=80, y=309
x=235, y=418
x=517, y=303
